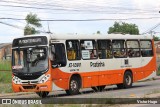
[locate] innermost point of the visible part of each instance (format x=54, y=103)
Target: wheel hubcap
x=128, y=80
x=74, y=85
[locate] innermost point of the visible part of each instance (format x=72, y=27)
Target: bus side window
x=73, y=50
x=104, y=49
x=88, y=49
x=146, y=48
x=119, y=48
x=133, y=48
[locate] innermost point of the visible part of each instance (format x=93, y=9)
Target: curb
x=15, y=94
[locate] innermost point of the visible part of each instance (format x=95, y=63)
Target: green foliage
x=5, y=77
x=156, y=38
x=5, y=82
x=5, y=65
x=98, y=32
x=158, y=71
x=30, y=30
x=124, y=28
x=32, y=21
x=6, y=88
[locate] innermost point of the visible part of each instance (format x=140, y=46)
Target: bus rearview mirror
x=53, y=49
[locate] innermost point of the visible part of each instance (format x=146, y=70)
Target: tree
x=98, y=32
x=32, y=21
x=156, y=38
x=124, y=28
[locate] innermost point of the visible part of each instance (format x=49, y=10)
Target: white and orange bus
x=44, y=63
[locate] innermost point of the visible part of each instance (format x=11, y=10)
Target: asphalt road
x=138, y=90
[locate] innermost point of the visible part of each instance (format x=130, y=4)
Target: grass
x=5, y=77
x=158, y=72
x=5, y=65
x=5, y=82
x=6, y=88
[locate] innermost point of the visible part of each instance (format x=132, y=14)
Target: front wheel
x=127, y=81
x=74, y=86
x=43, y=94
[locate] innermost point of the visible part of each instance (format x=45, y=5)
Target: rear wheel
x=127, y=81
x=98, y=88
x=43, y=94
x=74, y=86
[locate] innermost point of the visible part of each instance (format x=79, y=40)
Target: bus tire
x=127, y=81
x=42, y=94
x=98, y=88
x=74, y=86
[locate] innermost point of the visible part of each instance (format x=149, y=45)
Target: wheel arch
x=129, y=70
x=77, y=76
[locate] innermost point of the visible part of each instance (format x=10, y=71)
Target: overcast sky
x=133, y=11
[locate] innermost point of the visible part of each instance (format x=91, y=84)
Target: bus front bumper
x=47, y=86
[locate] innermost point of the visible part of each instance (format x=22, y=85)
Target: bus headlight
x=16, y=80
x=44, y=79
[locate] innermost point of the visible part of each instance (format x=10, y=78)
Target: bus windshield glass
x=30, y=59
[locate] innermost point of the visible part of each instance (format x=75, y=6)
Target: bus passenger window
x=73, y=50
x=146, y=48
x=88, y=49
x=104, y=49
x=119, y=48
x=133, y=48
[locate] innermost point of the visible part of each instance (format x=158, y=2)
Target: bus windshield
x=30, y=60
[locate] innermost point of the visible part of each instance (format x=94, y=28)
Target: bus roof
x=94, y=36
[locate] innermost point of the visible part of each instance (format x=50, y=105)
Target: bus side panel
x=105, y=77
x=60, y=78
x=89, y=79
x=110, y=77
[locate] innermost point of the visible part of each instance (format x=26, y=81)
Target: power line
x=31, y=3
x=104, y=19
x=30, y=7
x=15, y=26
x=18, y=27
x=89, y=12
x=151, y=29
x=72, y=9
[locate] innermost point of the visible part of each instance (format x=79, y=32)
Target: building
x=5, y=51
x=157, y=46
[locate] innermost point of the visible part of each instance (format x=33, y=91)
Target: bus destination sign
x=29, y=41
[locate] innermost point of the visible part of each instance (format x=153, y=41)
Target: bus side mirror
x=53, y=49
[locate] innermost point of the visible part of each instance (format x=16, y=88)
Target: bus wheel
x=98, y=88
x=42, y=94
x=127, y=81
x=74, y=86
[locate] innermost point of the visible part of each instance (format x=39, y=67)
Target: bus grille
x=29, y=87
